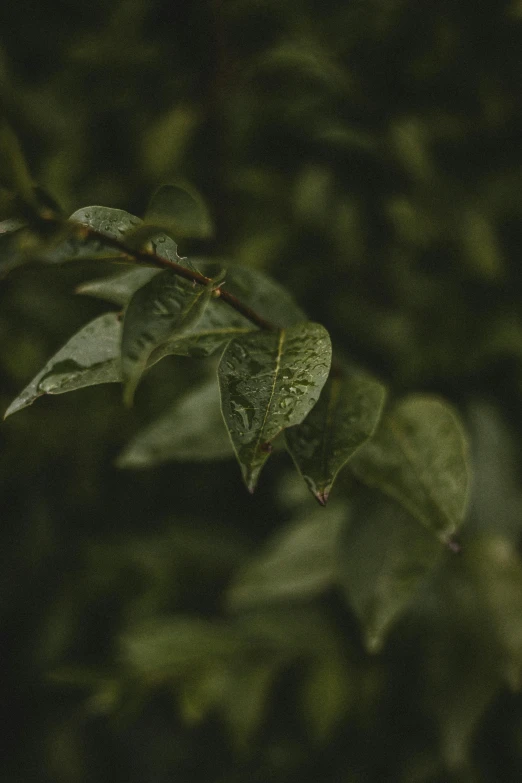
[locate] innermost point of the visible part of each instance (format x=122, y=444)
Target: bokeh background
x=367, y=155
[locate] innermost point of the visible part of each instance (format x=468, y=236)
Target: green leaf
x=299, y=562
x=383, y=559
x=263, y=295
x=270, y=381
x=244, y=705
x=168, y=647
x=419, y=456
x=326, y=695
x=164, y=308
x=90, y=357
x=253, y=288
x=192, y=430
x=345, y=416
x=121, y=287
x=493, y=563
x=181, y=210
x=115, y=223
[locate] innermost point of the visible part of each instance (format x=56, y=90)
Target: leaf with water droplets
x=345, y=416
x=419, y=457
x=90, y=357
x=191, y=430
x=383, y=559
x=270, y=381
x=115, y=223
x=163, y=309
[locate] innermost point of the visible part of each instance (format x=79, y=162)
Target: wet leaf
x=345, y=416
x=270, y=381
x=252, y=287
x=419, y=456
x=383, y=559
x=192, y=430
x=115, y=223
x=164, y=308
x=298, y=562
x=90, y=357
x=181, y=210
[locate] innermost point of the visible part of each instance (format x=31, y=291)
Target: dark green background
x=367, y=155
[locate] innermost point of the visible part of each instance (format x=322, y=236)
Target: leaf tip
x=322, y=497
x=453, y=545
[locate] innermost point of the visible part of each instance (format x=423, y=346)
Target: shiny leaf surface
x=162, y=309
x=90, y=357
x=270, y=381
x=345, y=416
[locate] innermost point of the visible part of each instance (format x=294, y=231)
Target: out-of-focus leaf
x=192, y=430
x=298, y=60
x=496, y=572
x=8, y=226
x=90, y=357
x=419, y=457
x=298, y=563
x=167, y=306
x=384, y=556
x=496, y=500
x=245, y=701
x=119, y=288
x=326, y=694
x=165, y=142
x=168, y=647
x=12, y=235
x=270, y=381
x=459, y=674
x=14, y=172
x=180, y=210
x=201, y=690
x=345, y=416
x=481, y=245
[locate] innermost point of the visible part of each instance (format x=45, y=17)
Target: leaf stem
x=153, y=259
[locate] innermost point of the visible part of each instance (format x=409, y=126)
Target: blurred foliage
x=162, y=624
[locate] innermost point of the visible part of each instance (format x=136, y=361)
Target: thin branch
x=153, y=259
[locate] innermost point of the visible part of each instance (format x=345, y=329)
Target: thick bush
x=272, y=528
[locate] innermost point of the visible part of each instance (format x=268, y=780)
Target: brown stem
x=153, y=259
